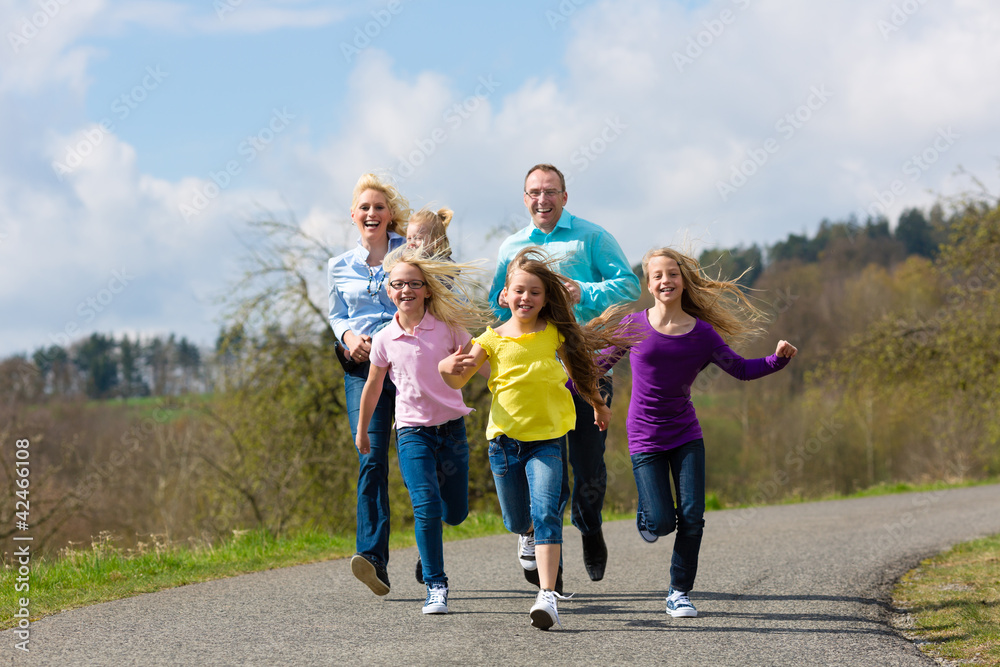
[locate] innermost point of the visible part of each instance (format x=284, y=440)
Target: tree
x=95, y=357
x=916, y=234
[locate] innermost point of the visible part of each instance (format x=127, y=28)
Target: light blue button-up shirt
x=352, y=304
x=587, y=253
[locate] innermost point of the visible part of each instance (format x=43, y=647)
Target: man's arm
x=617, y=282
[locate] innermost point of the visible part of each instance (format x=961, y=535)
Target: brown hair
x=547, y=167
x=720, y=302
x=582, y=345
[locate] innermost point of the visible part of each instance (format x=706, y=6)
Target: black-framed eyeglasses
x=537, y=194
x=413, y=284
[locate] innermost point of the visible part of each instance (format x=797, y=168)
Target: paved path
x=791, y=585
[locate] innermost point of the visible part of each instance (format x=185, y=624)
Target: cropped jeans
x=434, y=461
x=653, y=472
x=373, y=468
x=529, y=481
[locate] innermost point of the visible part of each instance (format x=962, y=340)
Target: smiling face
x=372, y=216
x=665, y=281
x=409, y=301
x=547, y=209
x=525, y=295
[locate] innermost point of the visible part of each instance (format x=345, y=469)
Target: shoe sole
x=420, y=572
x=541, y=619
x=366, y=574
x=531, y=576
x=435, y=611
x=683, y=613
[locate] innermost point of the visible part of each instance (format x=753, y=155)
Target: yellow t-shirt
x=530, y=398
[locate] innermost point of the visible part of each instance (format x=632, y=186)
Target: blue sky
x=710, y=123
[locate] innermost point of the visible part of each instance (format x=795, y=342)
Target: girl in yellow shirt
x=532, y=407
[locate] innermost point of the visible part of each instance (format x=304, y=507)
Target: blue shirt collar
x=565, y=221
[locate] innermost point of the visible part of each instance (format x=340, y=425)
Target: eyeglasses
x=413, y=284
x=537, y=194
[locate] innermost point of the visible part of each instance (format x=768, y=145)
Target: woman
x=359, y=306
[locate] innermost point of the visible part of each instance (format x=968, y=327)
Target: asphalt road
x=791, y=585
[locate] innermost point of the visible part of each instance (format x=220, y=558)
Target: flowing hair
x=584, y=346
x=721, y=303
x=398, y=206
x=437, y=228
x=451, y=299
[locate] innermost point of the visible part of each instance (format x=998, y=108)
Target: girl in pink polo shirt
x=432, y=320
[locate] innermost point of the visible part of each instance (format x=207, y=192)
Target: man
x=600, y=276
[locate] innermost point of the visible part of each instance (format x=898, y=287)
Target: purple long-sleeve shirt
x=660, y=414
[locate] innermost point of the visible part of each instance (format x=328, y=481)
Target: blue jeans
x=586, y=457
x=529, y=481
x=373, y=475
x=653, y=472
x=434, y=461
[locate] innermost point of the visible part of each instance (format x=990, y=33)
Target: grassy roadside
x=105, y=572
x=951, y=603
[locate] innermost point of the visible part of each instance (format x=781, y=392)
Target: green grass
x=953, y=603
x=104, y=572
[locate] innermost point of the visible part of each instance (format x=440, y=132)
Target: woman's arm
x=462, y=364
x=369, y=399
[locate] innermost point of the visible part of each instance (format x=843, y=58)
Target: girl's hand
x=785, y=349
x=456, y=363
x=362, y=442
x=602, y=417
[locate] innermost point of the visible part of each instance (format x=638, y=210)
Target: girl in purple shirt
x=431, y=321
x=681, y=336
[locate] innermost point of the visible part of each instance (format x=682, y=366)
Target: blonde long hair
x=399, y=207
x=451, y=291
x=721, y=303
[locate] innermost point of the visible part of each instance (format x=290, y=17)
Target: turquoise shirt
x=587, y=253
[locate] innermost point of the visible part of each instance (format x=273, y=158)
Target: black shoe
x=420, y=571
x=532, y=577
x=371, y=574
x=595, y=555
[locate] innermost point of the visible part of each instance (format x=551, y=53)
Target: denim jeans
x=653, y=472
x=373, y=474
x=529, y=481
x=586, y=458
x=434, y=461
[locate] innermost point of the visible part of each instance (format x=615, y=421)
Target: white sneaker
x=544, y=613
x=679, y=606
x=437, y=599
x=526, y=551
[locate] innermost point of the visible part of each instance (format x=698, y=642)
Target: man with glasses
x=600, y=276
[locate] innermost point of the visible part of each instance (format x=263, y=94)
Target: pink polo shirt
x=422, y=397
